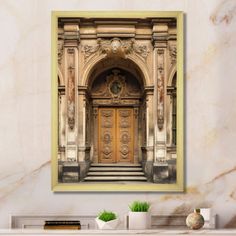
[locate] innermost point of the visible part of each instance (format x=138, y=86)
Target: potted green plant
x=139, y=217
x=107, y=220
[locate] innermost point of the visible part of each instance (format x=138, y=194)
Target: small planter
x=139, y=220
x=112, y=224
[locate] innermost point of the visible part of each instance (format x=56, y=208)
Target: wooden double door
x=116, y=135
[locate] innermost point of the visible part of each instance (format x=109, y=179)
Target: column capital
x=82, y=90
x=71, y=34
x=149, y=90
x=160, y=34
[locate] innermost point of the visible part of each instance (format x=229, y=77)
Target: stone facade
x=117, y=63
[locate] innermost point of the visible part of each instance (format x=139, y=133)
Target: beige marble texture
x=210, y=75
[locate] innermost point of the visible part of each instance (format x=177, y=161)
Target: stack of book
x=62, y=224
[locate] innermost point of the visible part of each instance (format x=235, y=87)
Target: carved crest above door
x=117, y=87
x=116, y=47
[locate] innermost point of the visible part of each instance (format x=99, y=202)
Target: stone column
x=61, y=123
x=61, y=99
x=81, y=123
x=160, y=166
x=71, y=41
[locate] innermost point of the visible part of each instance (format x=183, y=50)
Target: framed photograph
x=117, y=101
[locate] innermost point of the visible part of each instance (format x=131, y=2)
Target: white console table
x=160, y=232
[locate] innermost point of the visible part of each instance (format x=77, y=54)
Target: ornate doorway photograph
x=117, y=101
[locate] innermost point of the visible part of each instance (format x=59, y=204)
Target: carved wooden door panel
x=125, y=135
x=107, y=132
x=115, y=135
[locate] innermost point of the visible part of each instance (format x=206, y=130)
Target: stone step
x=111, y=169
x=121, y=173
x=115, y=178
x=112, y=172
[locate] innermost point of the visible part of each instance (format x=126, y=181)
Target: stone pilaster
x=160, y=37
x=83, y=146
x=81, y=123
x=71, y=41
x=149, y=148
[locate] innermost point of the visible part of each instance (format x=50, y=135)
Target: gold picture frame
x=163, y=35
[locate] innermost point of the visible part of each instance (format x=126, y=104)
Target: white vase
x=139, y=220
x=112, y=224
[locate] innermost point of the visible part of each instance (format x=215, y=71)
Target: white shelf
x=161, y=232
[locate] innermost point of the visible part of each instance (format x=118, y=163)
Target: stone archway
x=117, y=98
x=140, y=105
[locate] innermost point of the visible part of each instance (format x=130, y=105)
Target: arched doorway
x=116, y=96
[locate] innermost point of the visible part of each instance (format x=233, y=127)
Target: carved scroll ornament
x=141, y=49
x=116, y=47
x=88, y=50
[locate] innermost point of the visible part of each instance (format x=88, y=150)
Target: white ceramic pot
x=139, y=220
x=112, y=224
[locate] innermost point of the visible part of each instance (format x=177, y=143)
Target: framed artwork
x=117, y=101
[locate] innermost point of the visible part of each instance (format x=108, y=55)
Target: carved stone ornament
x=60, y=48
x=71, y=119
x=115, y=87
x=71, y=88
x=116, y=84
x=173, y=53
x=160, y=89
x=116, y=47
x=88, y=50
x=141, y=49
x=161, y=161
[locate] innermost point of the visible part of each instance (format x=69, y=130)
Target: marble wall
x=210, y=53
